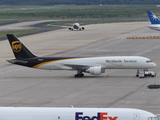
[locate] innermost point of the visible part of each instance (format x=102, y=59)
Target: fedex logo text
x=100, y=116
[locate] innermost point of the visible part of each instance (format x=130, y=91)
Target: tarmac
x=20, y=86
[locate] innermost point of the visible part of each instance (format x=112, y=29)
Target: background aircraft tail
x=153, y=19
x=19, y=50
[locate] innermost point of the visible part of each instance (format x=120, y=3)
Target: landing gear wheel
x=76, y=75
x=79, y=75
x=137, y=75
x=82, y=75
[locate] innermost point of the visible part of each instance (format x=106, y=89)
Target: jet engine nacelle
x=94, y=70
x=83, y=28
x=70, y=28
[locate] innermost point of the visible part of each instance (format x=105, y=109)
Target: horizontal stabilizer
x=13, y=61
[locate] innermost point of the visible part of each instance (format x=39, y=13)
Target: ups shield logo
x=16, y=46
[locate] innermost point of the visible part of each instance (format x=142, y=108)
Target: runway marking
x=148, y=49
x=82, y=50
x=10, y=69
x=101, y=44
x=125, y=96
x=26, y=88
x=128, y=102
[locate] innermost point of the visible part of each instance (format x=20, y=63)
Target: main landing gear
x=142, y=73
x=79, y=74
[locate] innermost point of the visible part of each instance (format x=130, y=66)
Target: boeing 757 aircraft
x=155, y=22
x=92, y=65
x=75, y=26
x=38, y=113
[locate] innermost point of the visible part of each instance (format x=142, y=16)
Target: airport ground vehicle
x=145, y=73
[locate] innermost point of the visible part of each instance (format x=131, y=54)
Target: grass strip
x=85, y=22
x=18, y=32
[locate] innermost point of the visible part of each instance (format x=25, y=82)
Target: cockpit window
x=153, y=118
x=148, y=61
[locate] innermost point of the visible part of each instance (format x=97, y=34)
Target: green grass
x=21, y=13
x=85, y=22
x=18, y=32
x=77, y=11
x=8, y=21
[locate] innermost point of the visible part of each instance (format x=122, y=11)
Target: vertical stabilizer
x=19, y=50
x=153, y=18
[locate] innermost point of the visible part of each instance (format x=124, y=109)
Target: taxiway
x=20, y=86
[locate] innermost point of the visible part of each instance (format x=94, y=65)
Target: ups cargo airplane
x=92, y=65
x=39, y=113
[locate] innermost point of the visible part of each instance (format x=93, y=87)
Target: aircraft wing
x=67, y=26
x=82, y=26
x=79, y=66
x=90, y=25
x=87, y=26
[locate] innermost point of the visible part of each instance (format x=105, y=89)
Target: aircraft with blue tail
x=155, y=21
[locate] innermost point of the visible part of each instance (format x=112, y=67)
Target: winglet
x=19, y=50
x=153, y=18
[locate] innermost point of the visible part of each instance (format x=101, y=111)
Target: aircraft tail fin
x=19, y=50
x=153, y=18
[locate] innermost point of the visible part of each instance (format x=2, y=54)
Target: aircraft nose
x=154, y=64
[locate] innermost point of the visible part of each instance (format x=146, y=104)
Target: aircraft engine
x=95, y=70
x=83, y=28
